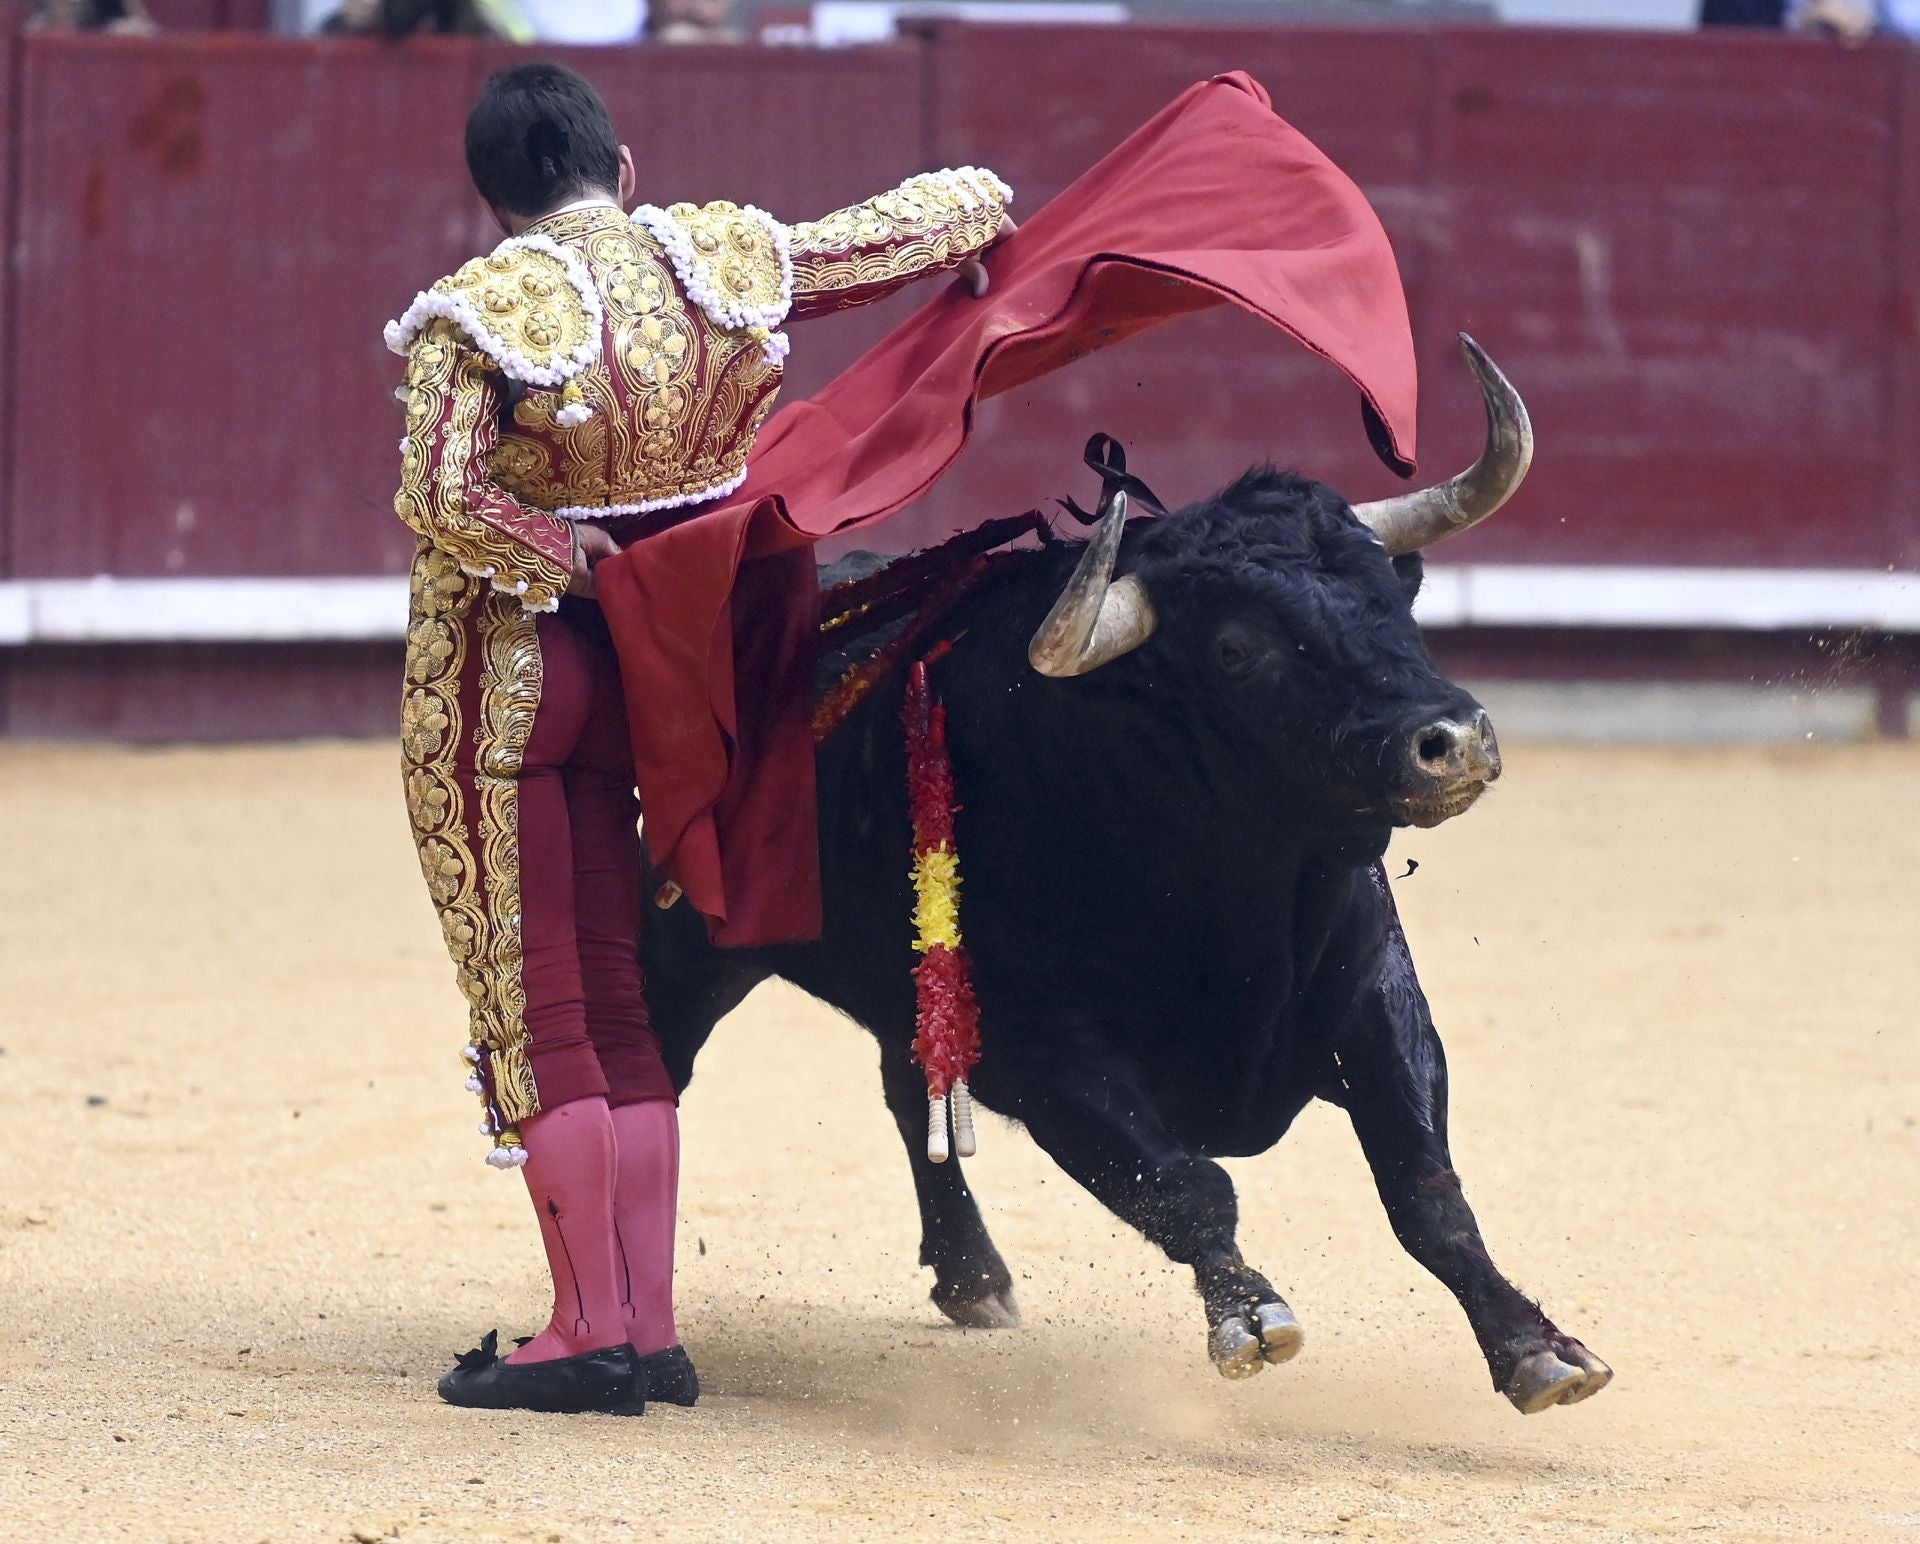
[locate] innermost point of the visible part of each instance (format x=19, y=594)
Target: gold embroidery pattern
x=447, y=392
x=477, y=897
x=676, y=399
x=735, y=254
x=509, y=697
x=921, y=227
x=526, y=300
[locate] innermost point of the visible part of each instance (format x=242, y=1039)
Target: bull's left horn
x=1097, y=618
x=1410, y=521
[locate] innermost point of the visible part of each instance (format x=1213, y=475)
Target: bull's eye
x=1234, y=651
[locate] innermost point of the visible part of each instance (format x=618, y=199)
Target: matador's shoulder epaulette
x=732, y=260
x=529, y=305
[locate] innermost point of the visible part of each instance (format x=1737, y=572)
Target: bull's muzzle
x=1450, y=764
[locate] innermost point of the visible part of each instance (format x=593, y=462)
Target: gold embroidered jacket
x=601, y=365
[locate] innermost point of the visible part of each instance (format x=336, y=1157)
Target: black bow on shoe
x=483, y=1355
x=606, y=1381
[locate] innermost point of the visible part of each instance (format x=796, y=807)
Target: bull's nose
x=1450, y=750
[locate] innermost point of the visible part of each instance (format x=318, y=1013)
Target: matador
x=596, y=371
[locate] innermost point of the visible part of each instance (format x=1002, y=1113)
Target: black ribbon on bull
x=1108, y=457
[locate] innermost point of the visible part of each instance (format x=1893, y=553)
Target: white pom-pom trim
x=475, y=1086
x=719, y=490
x=456, y=308
x=974, y=186
x=516, y=587
x=574, y=413
x=695, y=272
x=471, y=1053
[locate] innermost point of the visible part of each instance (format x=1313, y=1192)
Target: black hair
x=538, y=136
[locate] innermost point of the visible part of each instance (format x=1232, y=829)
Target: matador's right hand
x=591, y=543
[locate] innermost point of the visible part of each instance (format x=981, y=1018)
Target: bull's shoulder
x=855, y=565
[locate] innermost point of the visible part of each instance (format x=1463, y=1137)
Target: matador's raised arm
x=928, y=224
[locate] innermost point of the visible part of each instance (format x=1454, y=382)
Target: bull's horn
x=1410, y=521
x=1097, y=618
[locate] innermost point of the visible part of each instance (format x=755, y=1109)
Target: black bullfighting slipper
x=605, y=1382
x=668, y=1377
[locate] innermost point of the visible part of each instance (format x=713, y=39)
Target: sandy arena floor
x=245, y=1223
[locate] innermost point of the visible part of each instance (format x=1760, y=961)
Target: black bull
x=1174, y=900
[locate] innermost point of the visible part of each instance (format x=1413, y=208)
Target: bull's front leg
x=1392, y=1080
x=1098, y=1123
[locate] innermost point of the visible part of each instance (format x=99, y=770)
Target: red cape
x=1215, y=199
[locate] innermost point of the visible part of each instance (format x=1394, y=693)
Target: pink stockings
x=603, y=1156
x=604, y=1184
x=646, y=1190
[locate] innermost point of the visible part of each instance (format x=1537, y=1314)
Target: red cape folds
x=1215, y=199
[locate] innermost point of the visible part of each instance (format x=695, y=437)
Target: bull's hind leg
x=1101, y=1127
x=971, y=1284
x=1392, y=1079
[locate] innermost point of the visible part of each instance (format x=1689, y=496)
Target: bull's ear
x=1411, y=569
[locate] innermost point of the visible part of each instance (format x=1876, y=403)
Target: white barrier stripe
x=107, y=609
x=1598, y=595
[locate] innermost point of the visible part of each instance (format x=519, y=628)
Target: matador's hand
x=974, y=271
x=590, y=544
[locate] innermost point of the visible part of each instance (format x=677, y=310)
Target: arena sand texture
x=245, y=1223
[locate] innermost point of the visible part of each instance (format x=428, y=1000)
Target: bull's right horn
x=1410, y=521
x=1097, y=618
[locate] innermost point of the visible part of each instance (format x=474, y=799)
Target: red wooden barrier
x=205, y=269
x=9, y=104
x=230, y=223
x=1683, y=249
x=1686, y=254
x=209, y=15
x=1200, y=398
x=1699, y=257
x=1903, y=420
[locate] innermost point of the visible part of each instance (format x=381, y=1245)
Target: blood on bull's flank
x=1179, y=751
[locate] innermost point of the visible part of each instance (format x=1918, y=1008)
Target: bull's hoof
x=986, y=1306
x=1280, y=1334
x=1563, y=1376
x=1243, y=1344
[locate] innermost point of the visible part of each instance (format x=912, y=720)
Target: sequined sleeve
x=453, y=399
x=926, y=225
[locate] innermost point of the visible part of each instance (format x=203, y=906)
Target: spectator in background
x=126, y=18
x=694, y=21
x=585, y=21
x=404, y=18
x=1854, y=21
x=1848, y=21
x=518, y=21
